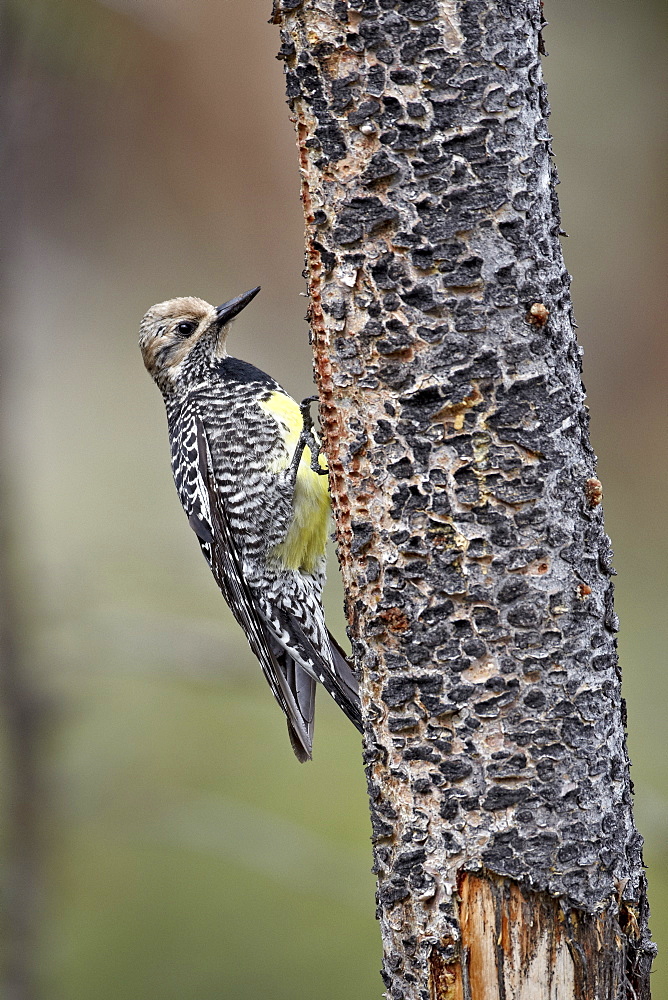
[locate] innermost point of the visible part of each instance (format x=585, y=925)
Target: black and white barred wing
x=329, y=665
x=196, y=484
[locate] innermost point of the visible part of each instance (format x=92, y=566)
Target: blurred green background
x=183, y=853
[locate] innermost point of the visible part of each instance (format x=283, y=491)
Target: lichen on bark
x=476, y=566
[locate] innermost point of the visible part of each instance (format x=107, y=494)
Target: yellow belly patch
x=305, y=541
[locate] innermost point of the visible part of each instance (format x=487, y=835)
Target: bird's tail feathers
x=300, y=751
x=302, y=689
x=334, y=672
x=348, y=681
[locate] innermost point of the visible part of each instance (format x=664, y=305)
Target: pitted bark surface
x=471, y=539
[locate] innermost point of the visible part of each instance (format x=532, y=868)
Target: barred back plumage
x=248, y=483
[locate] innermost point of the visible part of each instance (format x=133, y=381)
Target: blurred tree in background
x=148, y=154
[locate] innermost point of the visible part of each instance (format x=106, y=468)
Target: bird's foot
x=308, y=435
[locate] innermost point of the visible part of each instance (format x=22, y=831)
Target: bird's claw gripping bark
x=307, y=438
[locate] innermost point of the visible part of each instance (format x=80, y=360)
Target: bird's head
x=173, y=333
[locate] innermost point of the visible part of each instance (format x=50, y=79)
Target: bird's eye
x=185, y=328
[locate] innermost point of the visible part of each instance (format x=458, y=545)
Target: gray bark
x=468, y=513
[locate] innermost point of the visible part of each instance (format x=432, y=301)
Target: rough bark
x=468, y=512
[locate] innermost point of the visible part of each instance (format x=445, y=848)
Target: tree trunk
x=468, y=512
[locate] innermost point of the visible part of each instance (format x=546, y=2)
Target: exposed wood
x=470, y=529
x=524, y=945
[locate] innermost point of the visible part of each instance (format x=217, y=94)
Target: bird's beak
x=230, y=309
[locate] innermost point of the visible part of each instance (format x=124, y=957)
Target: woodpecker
x=249, y=475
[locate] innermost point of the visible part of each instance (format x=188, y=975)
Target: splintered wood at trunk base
x=523, y=944
x=476, y=566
